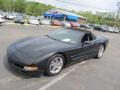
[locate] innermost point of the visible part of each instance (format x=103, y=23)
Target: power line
x=84, y=5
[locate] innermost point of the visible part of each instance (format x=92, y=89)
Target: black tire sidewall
x=47, y=71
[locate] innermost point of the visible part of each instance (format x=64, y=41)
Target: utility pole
x=118, y=4
x=117, y=16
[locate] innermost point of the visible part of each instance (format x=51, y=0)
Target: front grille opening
x=18, y=65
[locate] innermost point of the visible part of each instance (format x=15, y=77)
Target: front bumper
x=19, y=67
x=35, y=23
x=2, y=21
x=19, y=22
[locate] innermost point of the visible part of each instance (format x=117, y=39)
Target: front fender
x=42, y=61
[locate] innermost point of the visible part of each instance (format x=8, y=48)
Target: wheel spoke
x=56, y=65
x=101, y=50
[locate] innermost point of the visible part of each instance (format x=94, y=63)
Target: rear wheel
x=55, y=65
x=100, y=52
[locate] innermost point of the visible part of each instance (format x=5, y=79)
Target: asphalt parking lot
x=94, y=74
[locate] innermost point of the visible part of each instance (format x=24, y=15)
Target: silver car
x=45, y=22
x=66, y=24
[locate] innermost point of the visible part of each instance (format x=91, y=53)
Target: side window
x=87, y=37
x=90, y=36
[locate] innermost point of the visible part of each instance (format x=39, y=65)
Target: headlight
x=30, y=68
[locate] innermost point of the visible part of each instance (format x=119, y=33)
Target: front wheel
x=100, y=52
x=55, y=65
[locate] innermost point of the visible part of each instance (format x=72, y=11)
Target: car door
x=89, y=45
x=85, y=49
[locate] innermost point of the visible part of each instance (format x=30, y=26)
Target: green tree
x=20, y=5
x=105, y=18
x=34, y=8
x=7, y=5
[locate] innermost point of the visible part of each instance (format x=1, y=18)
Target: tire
x=100, y=52
x=22, y=23
x=53, y=68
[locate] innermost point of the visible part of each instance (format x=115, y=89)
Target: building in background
x=64, y=15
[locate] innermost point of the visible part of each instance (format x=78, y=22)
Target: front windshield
x=66, y=35
x=19, y=17
x=33, y=18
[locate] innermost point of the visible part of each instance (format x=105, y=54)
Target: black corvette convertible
x=52, y=52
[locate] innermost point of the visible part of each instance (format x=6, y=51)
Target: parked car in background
x=91, y=26
x=66, y=24
x=98, y=28
x=82, y=26
x=85, y=26
x=74, y=24
x=117, y=30
x=102, y=28
x=40, y=17
x=19, y=19
x=33, y=20
x=45, y=22
x=2, y=13
x=113, y=30
x=2, y=20
x=105, y=28
x=10, y=16
x=56, y=23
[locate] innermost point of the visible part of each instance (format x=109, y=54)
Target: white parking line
x=57, y=79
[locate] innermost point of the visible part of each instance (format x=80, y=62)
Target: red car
x=56, y=23
x=74, y=24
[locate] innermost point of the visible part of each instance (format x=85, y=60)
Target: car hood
x=39, y=46
x=33, y=20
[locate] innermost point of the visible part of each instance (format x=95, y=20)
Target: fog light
x=30, y=68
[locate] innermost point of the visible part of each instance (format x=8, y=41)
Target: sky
x=84, y=5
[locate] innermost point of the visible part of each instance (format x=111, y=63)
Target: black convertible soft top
x=80, y=30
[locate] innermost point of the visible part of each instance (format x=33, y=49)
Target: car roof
x=80, y=30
